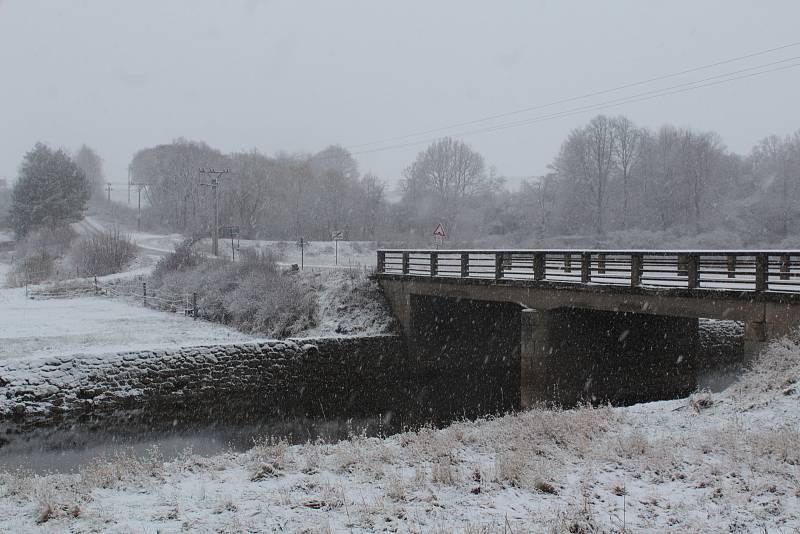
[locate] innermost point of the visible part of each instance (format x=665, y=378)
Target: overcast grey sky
x=300, y=75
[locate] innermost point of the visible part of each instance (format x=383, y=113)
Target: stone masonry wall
x=342, y=377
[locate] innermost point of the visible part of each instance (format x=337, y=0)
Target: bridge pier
x=535, y=358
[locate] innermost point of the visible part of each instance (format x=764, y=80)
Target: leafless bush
x=36, y=256
x=102, y=253
x=444, y=472
x=254, y=294
x=123, y=466
x=269, y=451
x=31, y=270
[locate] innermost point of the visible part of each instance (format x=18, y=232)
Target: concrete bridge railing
x=741, y=270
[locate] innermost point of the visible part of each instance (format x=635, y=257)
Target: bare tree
x=776, y=162
x=587, y=160
x=626, y=152
x=92, y=166
x=452, y=172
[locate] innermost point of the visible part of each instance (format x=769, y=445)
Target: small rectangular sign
x=230, y=231
x=337, y=235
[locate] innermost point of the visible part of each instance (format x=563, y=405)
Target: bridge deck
x=754, y=271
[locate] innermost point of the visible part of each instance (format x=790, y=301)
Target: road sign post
x=230, y=232
x=439, y=235
x=336, y=235
x=302, y=243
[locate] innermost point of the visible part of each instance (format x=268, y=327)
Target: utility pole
x=108, y=190
x=214, y=185
x=140, y=186
x=302, y=244
x=129, y=185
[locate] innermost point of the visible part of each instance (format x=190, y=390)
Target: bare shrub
x=184, y=257
x=782, y=444
x=102, y=253
x=397, y=489
x=444, y=472
x=701, y=400
x=123, y=466
x=31, y=270
x=254, y=294
x=55, y=497
x=269, y=451
x=510, y=468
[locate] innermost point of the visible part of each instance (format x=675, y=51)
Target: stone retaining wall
x=344, y=377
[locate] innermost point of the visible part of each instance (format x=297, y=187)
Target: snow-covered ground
x=317, y=254
x=711, y=463
x=95, y=325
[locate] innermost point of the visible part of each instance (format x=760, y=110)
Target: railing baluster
x=567, y=262
x=405, y=262
x=498, y=265
x=464, y=264
x=731, y=266
x=539, y=266
x=434, y=263
x=762, y=272
x=784, y=269
x=636, y=270
x=586, y=267
x=693, y=270
x=381, y=267
x=683, y=270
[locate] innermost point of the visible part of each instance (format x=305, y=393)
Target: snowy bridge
x=623, y=298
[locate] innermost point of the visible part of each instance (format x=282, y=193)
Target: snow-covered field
x=317, y=254
x=95, y=325
x=712, y=463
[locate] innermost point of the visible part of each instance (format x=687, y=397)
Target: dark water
x=66, y=450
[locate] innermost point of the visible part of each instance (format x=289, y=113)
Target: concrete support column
x=755, y=339
x=535, y=355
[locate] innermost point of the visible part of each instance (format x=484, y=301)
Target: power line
x=580, y=97
x=648, y=95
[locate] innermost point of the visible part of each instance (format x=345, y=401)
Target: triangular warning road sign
x=440, y=231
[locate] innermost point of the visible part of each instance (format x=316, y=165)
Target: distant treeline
x=611, y=183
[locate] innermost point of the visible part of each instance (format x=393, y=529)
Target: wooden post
x=567, y=262
x=498, y=265
x=586, y=267
x=405, y=263
x=601, y=264
x=762, y=272
x=785, y=263
x=381, y=261
x=464, y=264
x=539, y=266
x=96, y=288
x=144, y=294
x=693, y=271
x=683, y=269
x=636, y=270
x=434, y=263
x=731, y=266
